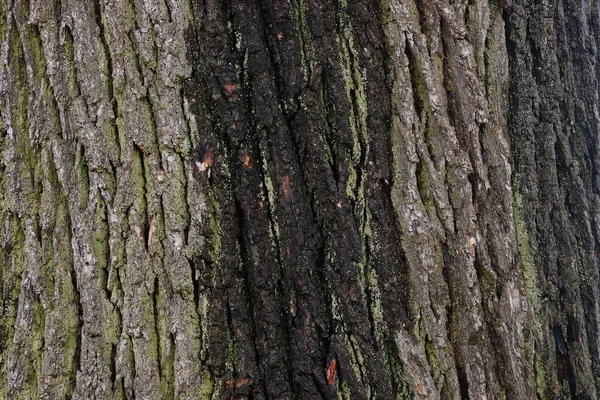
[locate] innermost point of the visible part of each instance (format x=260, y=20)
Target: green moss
x=3, y=19
x=357, y=362
x=161, y=333
x=31, y=171
x=33, y=46
x=540, y=378
x=300, y=11
x=12, y=281
x=419, y=86
x=35, y=341
x=168, y=365
x=342, y=389
x=148, y=115
x=354, y=83
x=525, y=252
x=376, y=306
x=527, y=263
x=395, y=370
x=432, y=358
x=70, y=319
x=207, y=387
x=104, y=50
x=231, y=350
x=47, y=211
x=352, y=182
x=66, y=292
x=146, y=347
x=489, y=62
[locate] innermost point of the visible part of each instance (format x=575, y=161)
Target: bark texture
x=311, y=199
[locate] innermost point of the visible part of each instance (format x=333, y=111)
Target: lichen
x=354, y=83
x=342, y=390
x=357, y=362
x=271, y=196
x=525, y=252
x=207, y=387
x=540, y=378
x=300, y=11
x=527, y=263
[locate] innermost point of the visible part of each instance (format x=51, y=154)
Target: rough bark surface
x=299, y=199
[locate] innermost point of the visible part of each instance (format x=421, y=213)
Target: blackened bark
x=299, y=199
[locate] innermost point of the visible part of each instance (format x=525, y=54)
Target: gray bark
x=299, y=199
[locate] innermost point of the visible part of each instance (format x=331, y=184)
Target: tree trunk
x=299, y=199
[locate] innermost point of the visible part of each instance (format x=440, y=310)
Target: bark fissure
x=299, y=199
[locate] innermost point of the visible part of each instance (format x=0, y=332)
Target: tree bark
x=299, y=199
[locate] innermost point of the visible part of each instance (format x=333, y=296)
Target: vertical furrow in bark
x=578, y=152
x=96, y=199
x=418, y=175
x=553, y=122
x=387, y=295
x=299, y=199
x=218, y=97
x=25, y=138
x=444, y=211
x=298, y=79
x=284, y=191
x=308, y=321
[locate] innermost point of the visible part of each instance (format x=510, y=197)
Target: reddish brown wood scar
x=247, y=159
x=331, y=372
x=420, y=390
x=206, y=162
x=229, y=88
x=208, y=158
x=231, y=383
x=287, y=190
x=241, y=382
x=144, y=149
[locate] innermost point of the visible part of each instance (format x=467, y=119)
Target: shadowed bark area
x=311, y=199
